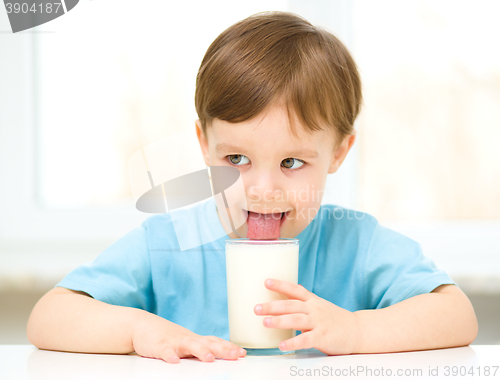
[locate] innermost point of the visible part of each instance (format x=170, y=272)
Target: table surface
x=28, y=362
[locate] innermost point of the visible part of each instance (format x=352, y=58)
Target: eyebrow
x=224, y=147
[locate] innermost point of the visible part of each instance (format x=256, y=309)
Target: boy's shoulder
x=342, y=226
x=344, y=219
x=159, y=231
x=361, y=230
x=157, y=222
x=184, y=228
x=165, y=221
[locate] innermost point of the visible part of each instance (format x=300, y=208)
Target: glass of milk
x=248, y=264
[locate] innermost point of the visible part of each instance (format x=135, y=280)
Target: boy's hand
x=156, y=337
x=324, y=325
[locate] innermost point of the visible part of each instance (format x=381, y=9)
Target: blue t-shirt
x=345, y=257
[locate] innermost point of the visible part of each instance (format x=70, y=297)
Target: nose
x=263, y=185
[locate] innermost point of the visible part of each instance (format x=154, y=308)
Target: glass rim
x=264, y=241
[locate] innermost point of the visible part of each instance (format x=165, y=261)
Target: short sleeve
x=396, y=269
x=120, y=275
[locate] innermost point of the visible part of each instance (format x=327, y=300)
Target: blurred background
x=81, y=94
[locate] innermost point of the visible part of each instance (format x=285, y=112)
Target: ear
x=203, y=140
x=340, y=154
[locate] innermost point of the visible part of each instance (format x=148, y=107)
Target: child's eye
x=288, y=163
x=237, y=158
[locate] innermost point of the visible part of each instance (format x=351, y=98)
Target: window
x=430, y=127
x=428, y=162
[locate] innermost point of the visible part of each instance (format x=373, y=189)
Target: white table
x=28, y=362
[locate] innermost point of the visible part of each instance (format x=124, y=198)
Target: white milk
x=248, y=265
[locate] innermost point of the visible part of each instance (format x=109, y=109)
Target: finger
x=292, y=291
x=223, y=349
x=169, y=355
x=299, y=342
x=281, y=307
x=289, y=321
x=223, y=341
x=241, y=351
x=196, y=348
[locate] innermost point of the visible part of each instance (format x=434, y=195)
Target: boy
x=277, y=99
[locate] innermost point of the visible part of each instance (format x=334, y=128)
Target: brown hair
x=273, y=57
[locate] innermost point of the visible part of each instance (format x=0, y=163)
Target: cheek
x=308, y=193
x=306, y=201
x=315, y=190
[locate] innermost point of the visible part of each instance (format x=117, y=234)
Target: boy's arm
x=66, y=320
x=442, y=318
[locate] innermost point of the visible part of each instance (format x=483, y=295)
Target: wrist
x=357, y=336
x=144, y=323
x=140, y=320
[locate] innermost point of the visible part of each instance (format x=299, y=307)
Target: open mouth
x=283, y=216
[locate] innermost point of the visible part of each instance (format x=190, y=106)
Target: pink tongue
x=263, y=226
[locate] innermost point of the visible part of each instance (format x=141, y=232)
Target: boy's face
x=281, y=173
